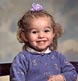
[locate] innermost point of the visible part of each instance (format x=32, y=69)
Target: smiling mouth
x=41, y=42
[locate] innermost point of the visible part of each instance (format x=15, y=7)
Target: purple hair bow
x=36, y=7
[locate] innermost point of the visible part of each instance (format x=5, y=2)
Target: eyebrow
x=36, y=28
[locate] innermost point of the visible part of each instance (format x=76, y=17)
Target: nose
x=41, y=35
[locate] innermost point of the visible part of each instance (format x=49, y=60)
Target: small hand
x=56, y=78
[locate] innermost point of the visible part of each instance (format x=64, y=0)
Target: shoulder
x=59, y=55
x=20, y=60
x=22, y=55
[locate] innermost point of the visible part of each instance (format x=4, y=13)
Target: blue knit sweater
x=29, y=66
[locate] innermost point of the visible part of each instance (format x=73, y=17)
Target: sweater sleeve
x=67, y=69
x=19, y=68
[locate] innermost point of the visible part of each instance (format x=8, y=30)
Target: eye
x=47, y=30
x=34, y=31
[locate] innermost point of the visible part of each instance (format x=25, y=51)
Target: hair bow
x=36, y=7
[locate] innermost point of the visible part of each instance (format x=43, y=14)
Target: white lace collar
x=34, y=51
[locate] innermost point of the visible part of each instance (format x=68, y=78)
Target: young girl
x=39, y=60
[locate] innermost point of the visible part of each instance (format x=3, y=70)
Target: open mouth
x=41, y=42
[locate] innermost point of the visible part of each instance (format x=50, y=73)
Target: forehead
x=40, y=23
x=41, y=20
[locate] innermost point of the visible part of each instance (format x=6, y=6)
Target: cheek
x=32, y=38
x=51, y=37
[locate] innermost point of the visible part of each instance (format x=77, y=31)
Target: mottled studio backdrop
x=64, y=11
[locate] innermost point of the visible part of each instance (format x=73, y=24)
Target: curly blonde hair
x=25, y=22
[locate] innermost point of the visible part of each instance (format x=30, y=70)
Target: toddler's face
x=40, y=33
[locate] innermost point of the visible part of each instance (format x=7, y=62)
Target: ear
x=24, y=36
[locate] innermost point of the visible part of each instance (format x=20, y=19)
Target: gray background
x=64, y=11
